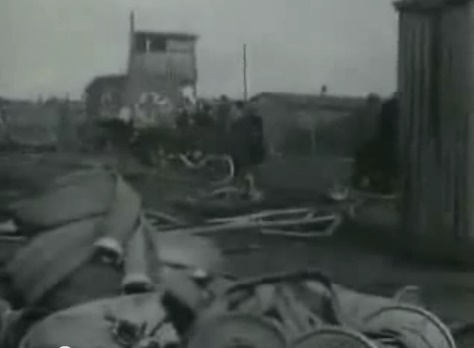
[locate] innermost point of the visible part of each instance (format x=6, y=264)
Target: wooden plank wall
x=435, y=102
x=469, y=72
x=415, y=81
x=453, y=119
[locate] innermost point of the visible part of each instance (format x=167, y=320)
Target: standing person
x=256, y=136
x=223, y=113
x=3, y=111
x=247, y=147
x=207, y=135
x=238, y=138
x=221, y=127
x=3, y=122
x=203, y=117
x=183, y=120
x=184, y=134
x=237, y=112
x=388, y=136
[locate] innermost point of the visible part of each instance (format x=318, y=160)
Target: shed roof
x=327, y=102
x=168, y=35
x=106, y=80
x=426, y=5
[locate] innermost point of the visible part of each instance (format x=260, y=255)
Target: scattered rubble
x=171, y=291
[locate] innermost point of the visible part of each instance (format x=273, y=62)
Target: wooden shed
x=435, y=84
x=308, y=124
x=105, y=96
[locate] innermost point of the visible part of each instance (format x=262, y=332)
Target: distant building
x=161, y=75
x=105, y=96
x=305, y=123
x=162, y=70
x=43, y=124
x=163, y=63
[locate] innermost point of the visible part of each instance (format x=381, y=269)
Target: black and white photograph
x=236, y=174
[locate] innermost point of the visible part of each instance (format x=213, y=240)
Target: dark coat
x=247, y=140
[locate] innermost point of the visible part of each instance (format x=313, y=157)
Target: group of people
x=225, y=127
x=234, y=128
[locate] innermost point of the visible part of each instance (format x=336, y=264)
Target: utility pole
x=129, y=102
x=245, y=72
x=131, y=41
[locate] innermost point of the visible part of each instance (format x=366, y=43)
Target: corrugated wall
x=453, y=97
x=469, y=72
x=435, y=105
x=415, y=76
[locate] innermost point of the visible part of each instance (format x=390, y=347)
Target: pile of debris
x=97, y=269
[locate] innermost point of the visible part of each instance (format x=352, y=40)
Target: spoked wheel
x=419, y=328
x=286, y=300
x=333, y=337
x=219, y=168
x=339, y=193
x=236, y=331
x=464, y=336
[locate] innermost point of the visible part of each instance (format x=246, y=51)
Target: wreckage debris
x=167, y=286
x=127, y=321
x=50, y=267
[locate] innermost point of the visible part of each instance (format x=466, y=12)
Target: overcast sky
x=54, y=47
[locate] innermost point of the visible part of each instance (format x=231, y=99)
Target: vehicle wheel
x=464, y=337
x=419, y=328
x=333, y=337
x=236, y=331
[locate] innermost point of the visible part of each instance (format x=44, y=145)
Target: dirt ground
x=449, y=293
